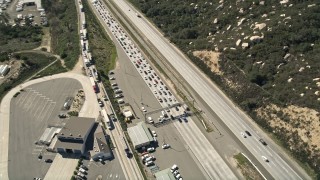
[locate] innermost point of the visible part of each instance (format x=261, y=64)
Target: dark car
x=39, y=156
x=248, y=133
x=48, y=160
x=263, y=142
x=177, y=109
x=62, y=116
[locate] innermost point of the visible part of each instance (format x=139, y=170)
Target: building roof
x=139, y=134
x=165, y=174
x=69, y=145
x=76, y=127
x=100, y=142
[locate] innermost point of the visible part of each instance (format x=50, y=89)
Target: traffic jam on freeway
x=172, y=109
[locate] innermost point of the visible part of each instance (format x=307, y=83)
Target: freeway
x=211, y=162
x=278, y=166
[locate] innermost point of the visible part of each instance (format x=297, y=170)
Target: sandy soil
x=211, y=58
x=304, y=121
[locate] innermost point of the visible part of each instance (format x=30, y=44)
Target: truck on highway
x=106, y=118
x=84, y=24
x=126, y=148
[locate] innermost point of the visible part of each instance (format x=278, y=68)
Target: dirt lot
x=15, y=68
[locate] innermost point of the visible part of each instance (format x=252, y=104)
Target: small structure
x=48, y=135
x=72, y=137
x=140, y=135
x=165, y=174
x=4, y=69
x=31, y=3
x=101, y=149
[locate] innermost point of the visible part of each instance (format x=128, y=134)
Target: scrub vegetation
x=63, y=21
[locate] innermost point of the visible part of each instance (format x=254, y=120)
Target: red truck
x=96, y=88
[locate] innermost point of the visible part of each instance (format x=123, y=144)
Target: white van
x=164, y=114
x=82, y=170
x=120, y=101
x=150, y=120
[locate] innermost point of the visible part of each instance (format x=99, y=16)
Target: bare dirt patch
x=15, y=69
x=211, y=58
x=300, y=125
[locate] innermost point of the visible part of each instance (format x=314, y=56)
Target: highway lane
x=277, y=166
x=214, y=166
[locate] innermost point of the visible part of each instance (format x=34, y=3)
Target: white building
x=101, y=149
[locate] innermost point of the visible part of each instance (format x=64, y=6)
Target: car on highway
x=248, y=133
x=165, y=146
x=151, y=149
x=263, y=142
x=243, y=135
x=265, y=158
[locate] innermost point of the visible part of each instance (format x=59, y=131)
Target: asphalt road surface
x=277, y=166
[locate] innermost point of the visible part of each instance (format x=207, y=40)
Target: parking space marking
x=39, y=106
x=35, y=104
x=44, y=113
x=49, y=114
x=43, y=107
x=22, y=101
x=30, y=102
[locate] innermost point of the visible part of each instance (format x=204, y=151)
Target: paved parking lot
x=11, y=10
x=31, y=112
x=109, y=170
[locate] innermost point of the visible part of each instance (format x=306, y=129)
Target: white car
x=151, y=149
x=144, y=157
x=150, y=120
x=154, y=133
x=243, y=135
x=143, y=109
x=265, y=158
x=178, y=176
x=149, y=163
x=176, y=172
x=174, y=167
x=150, y=158
x=165, y=146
